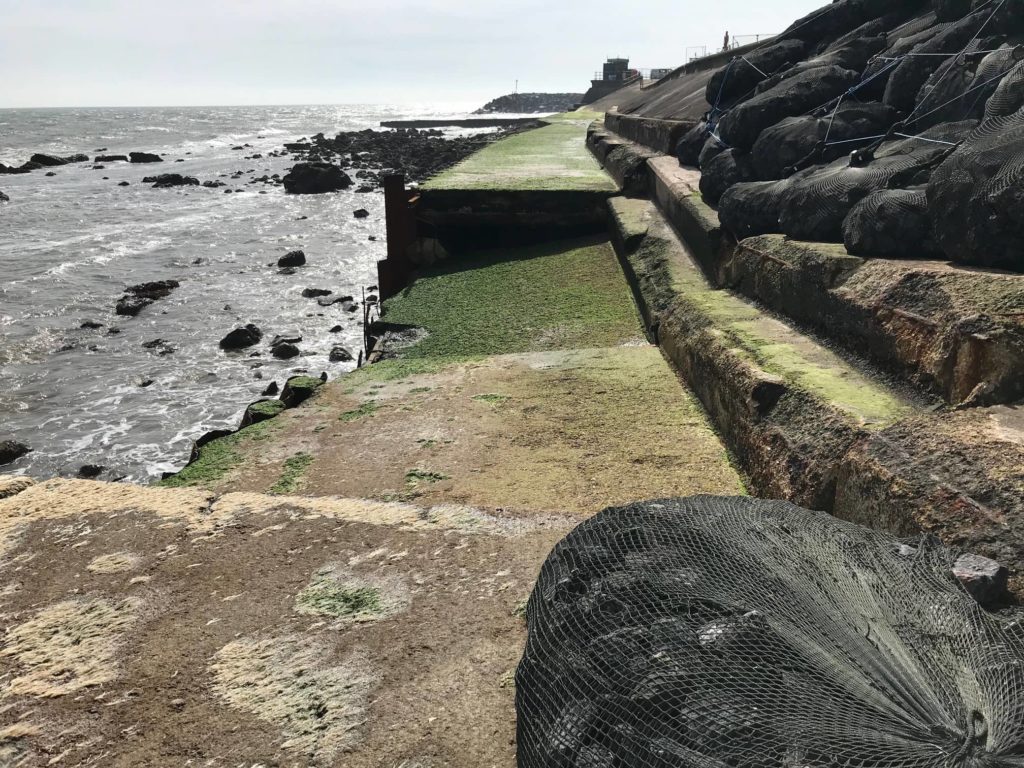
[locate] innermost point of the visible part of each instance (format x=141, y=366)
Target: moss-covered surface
x=291, y=475
x=267, y=409
x=560, y=296
x=221, y=456
x=554, y=157
x=364, y=411
x=327, y=596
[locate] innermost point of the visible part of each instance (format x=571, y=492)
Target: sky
x=74, y=53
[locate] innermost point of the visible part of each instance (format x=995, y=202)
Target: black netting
x=726, y=633
x=976, y=197
x=721, y=172
x=1008, y=96
x=890, y=223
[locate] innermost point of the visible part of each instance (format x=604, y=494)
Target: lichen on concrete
x=293, y=683
x=68, y=646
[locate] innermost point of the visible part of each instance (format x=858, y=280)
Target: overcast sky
x=206, y=52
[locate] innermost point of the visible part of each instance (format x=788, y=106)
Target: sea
x=72, y=242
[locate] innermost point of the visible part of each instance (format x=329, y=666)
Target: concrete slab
x=788, y=407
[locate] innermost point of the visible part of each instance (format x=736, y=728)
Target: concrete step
x=624, y=160
x=955, y=332
x=788, y=407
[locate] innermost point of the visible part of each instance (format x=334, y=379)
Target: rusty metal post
x=393, y=272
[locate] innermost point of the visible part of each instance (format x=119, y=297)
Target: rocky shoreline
x=531, y=104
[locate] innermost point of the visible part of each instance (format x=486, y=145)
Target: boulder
x=138, y=297
x=285, y=351
x=741, y=75
x=691, y=145
x=299, y=389
x=260, y=411
x=362, y=213
x=975, y=197
x=985, y=579
x=788, y=145
x=292, y=259
x=272, y=390
x=341, y=355
x=11, y=451
x=165, y=180
x=241, y=338
x=315, y=178
x=51, y=161
x=315, y=293
x=890, y=223
x=728, y=168
x=111, y=159
x=4, y=198
x=144, y=157
x=90, y=471
x=791, y=97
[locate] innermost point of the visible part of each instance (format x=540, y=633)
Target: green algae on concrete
x=552, y=158
x=291, y=475
x=559, y=296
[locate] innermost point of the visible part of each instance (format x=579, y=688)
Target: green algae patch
x=328, y=597
x=536, y=299
x=219, y=457
x=552, y=158
x=292, y=474
x=364, y=411
x=492, y=399
x=417, y=476
x=264, y=410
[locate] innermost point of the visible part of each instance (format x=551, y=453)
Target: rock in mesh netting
x=715, y=633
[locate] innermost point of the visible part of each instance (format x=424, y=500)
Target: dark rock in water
x=340, y=355
x=90, y=471
x=330, y=301
x=260, y=411
x=728, y=168
x=144, y=157
x=285, y=340
x=50, y=161
x=213, y=184
x=159, y=345
x=292, y=259
x=51, y=173
x=138, y=297
x=272, y=390
x=975, y=197
x=91, y=325
x=240, y=338
x=285, y=351
x=790, y=97
x=299, y=389
x=362, y=213
x=365, y=189
x=165, y=180
x=315, y=178
x=10, y=170
x=337, y=329
x=890, y=223
x=315, y=293
x=111, y=159
x=124, y=184
x=11, y=451
x=4, y=198
x=287, y=271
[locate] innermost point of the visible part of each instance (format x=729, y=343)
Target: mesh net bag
x=714, y=632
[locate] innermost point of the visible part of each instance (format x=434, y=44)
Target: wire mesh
x=712, y=632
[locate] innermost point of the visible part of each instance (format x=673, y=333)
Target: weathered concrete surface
x=534, y=186
x=955, y=331
x=788, y=408
x=185, y=628
x=958, y=475
x=677, y=193
x=662, y=136
x=626, y=161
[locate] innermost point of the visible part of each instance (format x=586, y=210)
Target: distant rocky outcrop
x=896, y=128
x=315, y=179
x=531, y=104
x=165, y=180
x=144, y=157
x=52, y=161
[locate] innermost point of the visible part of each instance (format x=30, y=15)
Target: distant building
x=657, y=74
x=615, y=75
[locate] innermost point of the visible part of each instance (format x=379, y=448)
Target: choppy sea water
x=72, y=242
